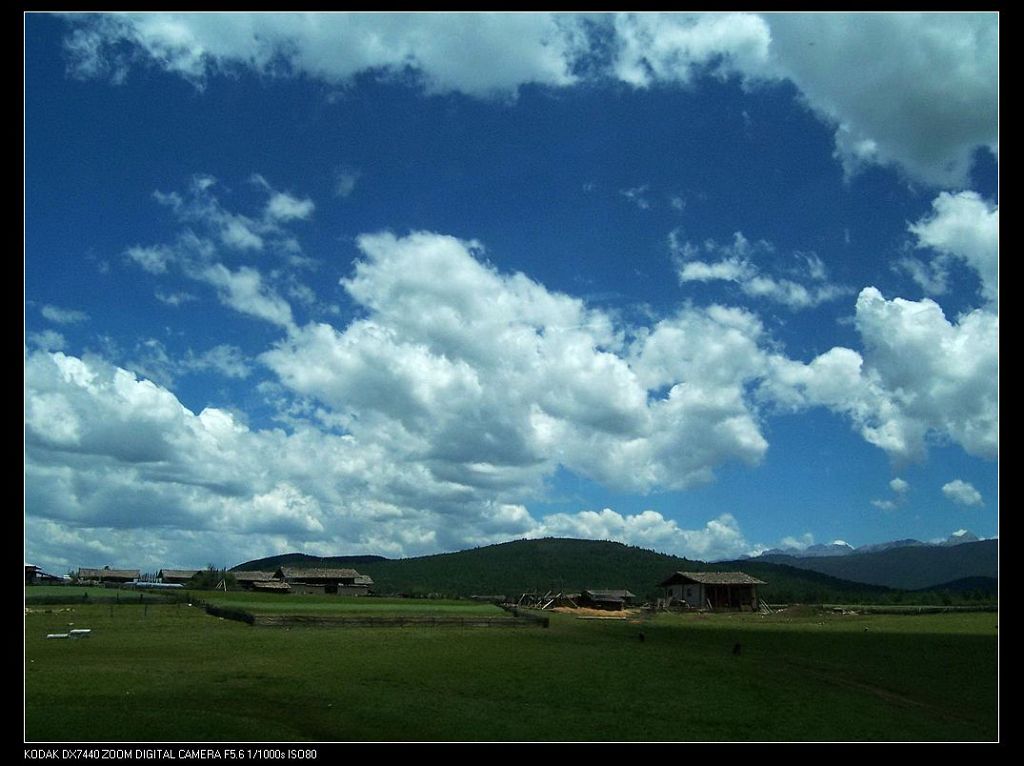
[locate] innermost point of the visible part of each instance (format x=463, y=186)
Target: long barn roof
x=713, y=578
x=185, y=574
x=271, y=585
x=300, y=573
x=98, y=574
x=603, y=593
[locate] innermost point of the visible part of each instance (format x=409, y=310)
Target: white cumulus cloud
x=899, y=488
x=107, y=450
x=677, y=47
x=920, y=378
x=491, y=379
x=431, y=420
x=245, y=291
x=915, y=90
x=477, y=53
x=738, y=264
x=225, y=235
x=60, y=315
x=285, y=207
x=49, y=340
x=719, y=538
x=962, y=493
x=806, y=540
x=108, y=454
x=965, y=227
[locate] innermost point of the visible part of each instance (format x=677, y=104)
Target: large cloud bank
x=460, y=391
x=914, y=90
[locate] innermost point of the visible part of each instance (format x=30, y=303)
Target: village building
x=612, y=600
x=36, y=576
x=270, y=586
x=712, y=590
x=247, y=580
x=107, y=576
x=176, y=576
x=342, y=582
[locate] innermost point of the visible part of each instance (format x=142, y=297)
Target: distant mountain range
x=558, y=564
x=842, y=549
x=906, y=565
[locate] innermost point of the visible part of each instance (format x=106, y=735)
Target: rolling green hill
x=987, y=586
x=271, y=563
x=568, y=565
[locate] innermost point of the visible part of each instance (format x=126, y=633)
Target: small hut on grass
x=612, y=600
x=36, y=576
x=176, y=576
x=271, y=586
x=107, y=576
x=248, y=580
x=713, y=590
x=341, y=582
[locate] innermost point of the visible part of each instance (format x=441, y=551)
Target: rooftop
x=713, y=578
x=302, y=573
x=98, y=574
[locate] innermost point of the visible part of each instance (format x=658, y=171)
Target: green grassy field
x=293, y=604
x=71, y=591
x=174, y=673
x=67, y=593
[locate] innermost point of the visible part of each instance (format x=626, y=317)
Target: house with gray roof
x=341, y=582
x=613, y=600
x=713, y=590
x=247, y=580
x=178, y=576
x=107, y=575
x=36, y=576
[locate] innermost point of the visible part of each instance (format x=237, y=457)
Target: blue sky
x=409, y=283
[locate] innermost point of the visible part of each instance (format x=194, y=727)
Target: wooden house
x=612, y=600
x=108, y=576
x=342, y=582
x=36, y=576
x=177, y=576
x=246, y=580
x=713, y=590
x=271, y=586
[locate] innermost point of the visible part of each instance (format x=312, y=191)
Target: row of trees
x=212, y=578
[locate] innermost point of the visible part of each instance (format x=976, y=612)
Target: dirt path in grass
x=600, y=614
x=882, y=693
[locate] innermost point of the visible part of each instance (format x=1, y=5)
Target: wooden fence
x=334, y=621
x=516, y=620
x=117, y=597
x=908, y=609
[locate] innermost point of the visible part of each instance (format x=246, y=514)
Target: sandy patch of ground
x=625, y=614
x=30, y=610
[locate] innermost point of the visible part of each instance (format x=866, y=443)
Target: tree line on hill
x=569, y=566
